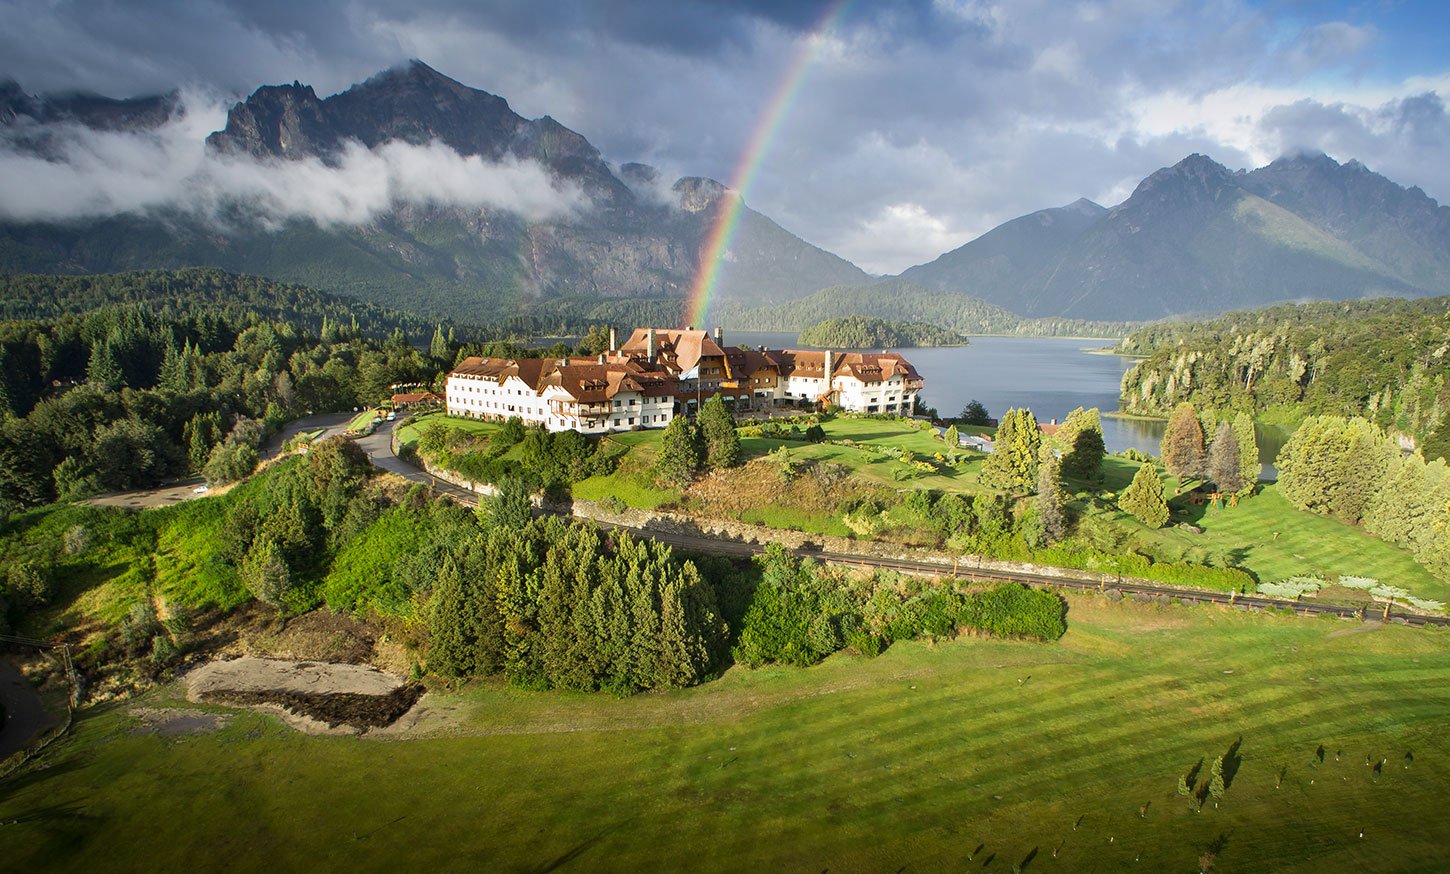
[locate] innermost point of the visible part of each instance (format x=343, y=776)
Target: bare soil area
x=172, y=722
x=315, y=697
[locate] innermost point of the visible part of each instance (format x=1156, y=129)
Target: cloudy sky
x=919, y=123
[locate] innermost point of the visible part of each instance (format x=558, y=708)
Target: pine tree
x=510, y=507
x=953, y=438
x=104, y=369
x=1051, y=516
x=1216, y=786
x=1081, y=439
x=1144, y=498
x=976, y=414
x=1182, y=448
x=681, y=453
x=265, y=571
x=717, y=428
x=450, y=649
x=1223, y=459
x=1012, y=467
x=1249, y=467
x=438, y=346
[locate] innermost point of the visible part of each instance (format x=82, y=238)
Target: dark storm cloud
x=922, y=123
x=1404, y=139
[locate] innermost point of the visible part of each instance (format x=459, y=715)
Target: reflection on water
x=1050, y=376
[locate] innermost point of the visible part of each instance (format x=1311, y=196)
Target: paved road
x=378, y=447
x=184, y=490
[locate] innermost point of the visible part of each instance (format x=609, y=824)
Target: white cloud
x=85, y=173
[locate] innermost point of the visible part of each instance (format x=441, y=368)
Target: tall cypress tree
x=1249, y=467
x=1051, y=516
x=1182, y=448
x=681, y=452
x=450, y=650
x=1083, y=447
x=1012, y=467
x=717, y=429
x=1144, y=497
x=438, y=346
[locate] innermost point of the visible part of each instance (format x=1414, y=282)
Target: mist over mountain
x=409, y=189
x=413, y=190
x=1197, y=237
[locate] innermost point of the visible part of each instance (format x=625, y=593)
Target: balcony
x=913, y=383
x=595, y=410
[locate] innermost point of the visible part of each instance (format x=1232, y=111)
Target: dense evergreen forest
x=181, y=294
x=867, y=332
x=1387, y=360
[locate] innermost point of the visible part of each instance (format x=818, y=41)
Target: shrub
x=30, y=583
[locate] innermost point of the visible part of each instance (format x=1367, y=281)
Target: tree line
x=1382, y=360
x=120, y=396
x=1351, y=469
x=868, y=332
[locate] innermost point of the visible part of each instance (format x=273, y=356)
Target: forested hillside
x=865, y=332
x=179, y=294
x=121, y=396
x=906, y=301
x=1386, y=359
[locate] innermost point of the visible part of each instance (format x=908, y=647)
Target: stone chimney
x=828, y=369
x=651, y=347
x=719, y=336
x=613, y=341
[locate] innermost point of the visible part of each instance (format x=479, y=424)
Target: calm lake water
x=1048, y=375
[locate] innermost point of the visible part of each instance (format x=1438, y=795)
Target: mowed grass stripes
x=1061, y=756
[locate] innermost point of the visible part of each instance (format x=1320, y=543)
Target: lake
x=1051, y=376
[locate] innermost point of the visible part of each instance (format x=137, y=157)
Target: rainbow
x=727, y=213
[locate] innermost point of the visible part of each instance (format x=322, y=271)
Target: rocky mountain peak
x=698, y=193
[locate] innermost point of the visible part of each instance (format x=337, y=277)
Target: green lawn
x=1244, y=536
x=975, y=753
x=361, y=421
x=1270, y=538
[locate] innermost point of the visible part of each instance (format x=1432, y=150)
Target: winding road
x=378, y=447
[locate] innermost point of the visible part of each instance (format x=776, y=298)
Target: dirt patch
x=255, y=629
x=172, y=722
x=315, y=696
x=332, y=709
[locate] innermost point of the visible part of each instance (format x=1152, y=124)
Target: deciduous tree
x=1182, y=448
x=1223, y=460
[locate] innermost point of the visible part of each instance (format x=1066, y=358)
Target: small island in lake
x=865, y=332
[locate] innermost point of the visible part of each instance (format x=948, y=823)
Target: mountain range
x=1199, y=238
x=1192, y=238
x=636, y=238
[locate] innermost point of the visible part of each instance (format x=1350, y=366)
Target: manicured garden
x=1263, y=534
x=971, y=753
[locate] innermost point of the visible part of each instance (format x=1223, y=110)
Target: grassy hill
x=974, y=753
